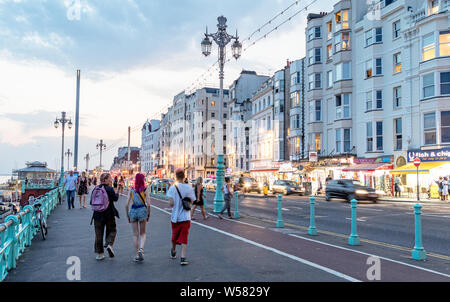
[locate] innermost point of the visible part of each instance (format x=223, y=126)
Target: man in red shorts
x=181, y=218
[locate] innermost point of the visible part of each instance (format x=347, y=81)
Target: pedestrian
x=181, y=217
x=94, y=181
x=440, y=186
x=139, y=214
x=397, y=184
x=116, y=183
x=89, y=181
x=445, y=188
x=105, y=219
x=70, y=183
x=186, y=181
x=121, y=185
x=199, y=196
x=328, y=179
x=82, y=189
x=227, y=198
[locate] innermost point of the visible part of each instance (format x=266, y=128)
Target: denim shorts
x=138, y=214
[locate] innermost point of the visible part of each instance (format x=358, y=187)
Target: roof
x=424, y=168
x=368, y=167
x=36, y=169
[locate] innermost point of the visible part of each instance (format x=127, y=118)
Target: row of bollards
x=418, y=253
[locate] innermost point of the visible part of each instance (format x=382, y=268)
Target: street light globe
x=70, y=124
x=56, y=124
x=206, y=46
x=237, y=49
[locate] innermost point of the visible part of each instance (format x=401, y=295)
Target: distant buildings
x=121, y=160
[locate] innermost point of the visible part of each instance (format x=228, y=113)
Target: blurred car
x=211, y=185
x=251, y=185
x=163, y=184
x=349, y=189
x=287, y=187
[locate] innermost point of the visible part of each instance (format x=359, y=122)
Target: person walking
x=105, y=219
x=139, y=214
x=116, y=183
x=199, y=196
x=121, y=185
x=82, y=189
x=440, y=186
x=397, y=184
x=94, y=181
x=181, y=217
x=445, y=188
x=227, y=199
x=70, y=183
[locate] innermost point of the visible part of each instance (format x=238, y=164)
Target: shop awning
x=368, y=167
x=423, y=169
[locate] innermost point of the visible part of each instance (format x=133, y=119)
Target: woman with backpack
x=102, y=203
x=139, y=214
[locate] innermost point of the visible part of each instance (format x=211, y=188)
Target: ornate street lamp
x=101, y=146
x=63, y=121
x=222, y=39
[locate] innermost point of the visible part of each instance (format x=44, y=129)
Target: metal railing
x=18, y=231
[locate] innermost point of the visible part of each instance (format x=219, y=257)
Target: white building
x=150, y=146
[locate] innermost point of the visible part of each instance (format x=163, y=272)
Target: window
x=295, y=99
x=379, y=130
x=445, y=83
x=345, y=41
x=378, y=66
x=369, y=68
x=397, y=97
x=269, y=123
x=318, y=109
x=338, y=141
x=213, y=114
x=379, y=99
x=329, y=30
x=429, y=128
x=445, y=127
x=315, y=81
x=343, y=71
x=329, y=51
x=369, y=37
x=314, y=33
x=378, y=35
x=342, y=106
x=428, y=49
x=368, y=100
x=317, y=32
x=397, y=62
x=329, y=79
x=428, y=85
x=342, y=19
x=315, y=55
x=434, y=7
x=317, y=142
x=398, y=134
x=444, y=42
x=369, y=137
x=295, y=121
x=396, y=30
x=347, y=141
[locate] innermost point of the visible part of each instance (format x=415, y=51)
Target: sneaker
x=100, y=256
x=141, y=255
x=136, y=259
x=110, y=251
x=184, y=261
x=220, y=216
x=173, y=254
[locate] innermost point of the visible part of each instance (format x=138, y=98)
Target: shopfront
x=265, y=171
x=371, y=172
x=434, y=164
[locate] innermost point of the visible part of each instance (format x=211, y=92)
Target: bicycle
x=40, y=222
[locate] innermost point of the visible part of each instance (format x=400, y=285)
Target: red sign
x=417, y=162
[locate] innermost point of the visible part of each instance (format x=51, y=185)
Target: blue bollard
x=418, y=253
x=312, y=224
x=204, y=198
x=236, y=206
x=160, y=191
x=354, y=238
x=280, y=223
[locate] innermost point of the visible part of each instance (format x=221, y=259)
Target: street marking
x=371, y=255
x=285, y=209
x=298, y=259
x=358, y=219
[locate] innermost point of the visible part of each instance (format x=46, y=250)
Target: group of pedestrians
x=443, y=187
x=78, y=185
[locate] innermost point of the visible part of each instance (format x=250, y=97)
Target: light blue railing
x=18, y=231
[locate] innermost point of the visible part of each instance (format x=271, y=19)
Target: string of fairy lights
x=201, y=80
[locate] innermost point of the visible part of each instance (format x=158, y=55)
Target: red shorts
x=180, y=232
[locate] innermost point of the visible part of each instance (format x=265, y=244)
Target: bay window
x=329, y=51
x=445, y=83
x=343, y=71
x=342, y=19
x=343, y=106
x=444, y=43
x=368, y=100
x=428, y=48
x=329, y=30
x=445, y=127
x=347, y=140
x=329, y=79
x=369, y=68
x=428, y=85
x=369, y=137
x=369, y=37
x=315, y=81
x=429, y=128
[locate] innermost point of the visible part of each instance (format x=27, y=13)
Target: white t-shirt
x=179, y=214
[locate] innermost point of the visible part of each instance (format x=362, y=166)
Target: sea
x=5, y=177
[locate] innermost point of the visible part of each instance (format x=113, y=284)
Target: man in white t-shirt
x=180, y=218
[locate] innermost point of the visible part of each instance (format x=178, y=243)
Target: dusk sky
x=134, y=57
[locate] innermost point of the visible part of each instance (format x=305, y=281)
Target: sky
x=134, y=57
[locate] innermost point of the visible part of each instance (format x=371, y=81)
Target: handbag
x=186, y=201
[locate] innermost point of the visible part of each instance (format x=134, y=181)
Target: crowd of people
x=183, y=199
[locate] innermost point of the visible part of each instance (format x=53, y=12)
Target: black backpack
x=186, y=201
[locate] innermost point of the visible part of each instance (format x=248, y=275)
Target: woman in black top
x=106, y=220
x=198, y=190
x=82, y=189
x=116, y=183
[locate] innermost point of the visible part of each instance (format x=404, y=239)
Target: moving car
x=349, y=189
x=251, y=185
x=287, y=187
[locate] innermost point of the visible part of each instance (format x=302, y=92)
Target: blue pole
x=354, y=238
x=160, y=191
x=218, y=198
x=280, y=223
x=418, y=253
x=204, y=197
x=236, y=206
x=312, y=225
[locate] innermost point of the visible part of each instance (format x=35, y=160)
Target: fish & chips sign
x=429, y=155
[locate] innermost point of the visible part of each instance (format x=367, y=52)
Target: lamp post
x=68, y=154
x=101, y=146
x=63, y=121
x=222, y=39
x=87, y=158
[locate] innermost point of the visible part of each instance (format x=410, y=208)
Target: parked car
x=287, y=187
x=251, y=185
x=349, y=189
x=164, y=183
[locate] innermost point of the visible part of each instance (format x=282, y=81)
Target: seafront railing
x=18, y=230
